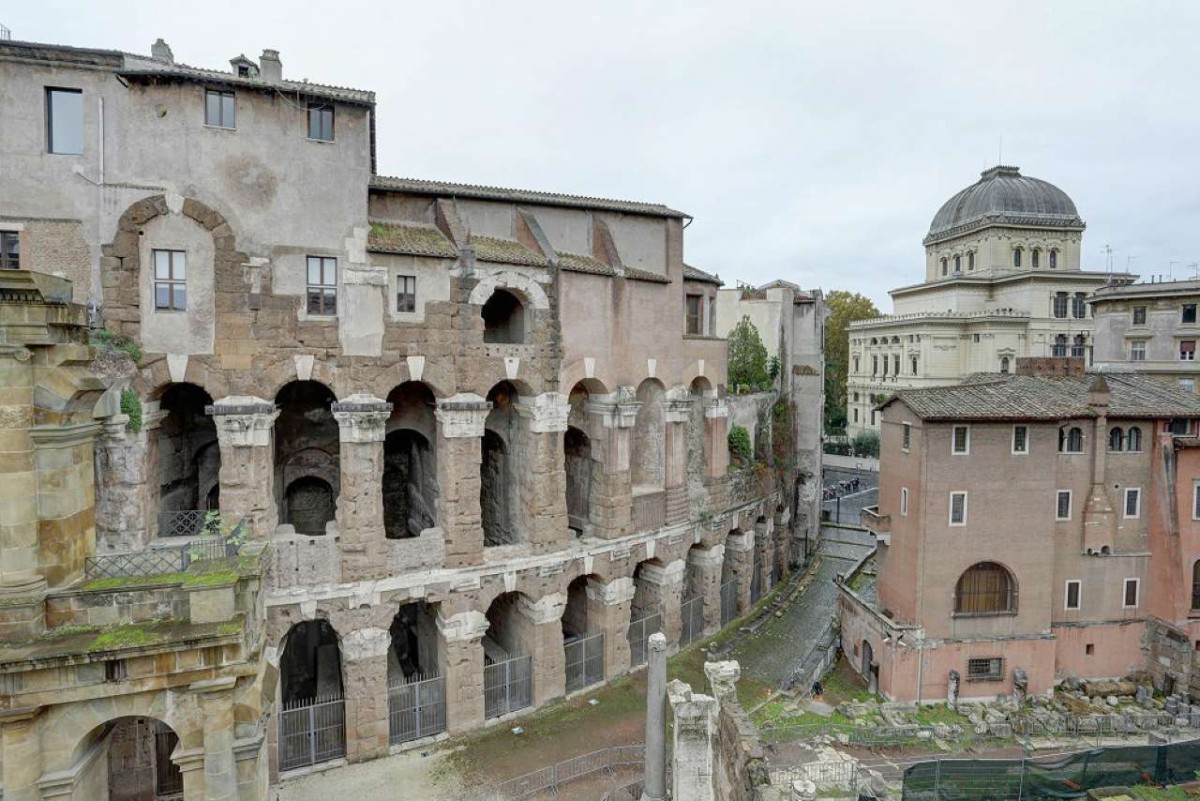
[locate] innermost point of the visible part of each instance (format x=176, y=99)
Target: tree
x=866, y=443
x=748, y=358
x=844, y=308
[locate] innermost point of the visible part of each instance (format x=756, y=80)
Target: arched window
x=958, y=264
x=1133, y=440
x=856, y=364
x=971, y=260
x=1016, y=257
x=1196, y=585
x=1004, y=364
x=1053, y=258
x=1116, y=439
x=1059, y=350
x=914, y=365
x=985, y=588
x=1070, y=440
x=1034, y=258
x=503, y=319
x=944, y=266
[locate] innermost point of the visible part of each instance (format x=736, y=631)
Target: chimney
x=270, y=67
x=161, y=51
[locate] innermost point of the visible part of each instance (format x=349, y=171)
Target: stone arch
x=509, y=631
x=138, y=750
x=307, y=450
x=189, y=459
x=577, y=453
x=504, y=320
x=499, y=488
x=310, y=662
x=526, y=289
x=410, y=489
x=414, y=647
x=648, y=458
x=576, y=373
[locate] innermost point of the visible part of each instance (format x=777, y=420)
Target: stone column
x=695, y=724
x=191, y=770
x=542, y=479
x=22, y=586
x=608, y=611
x=664, y=588
x=544, y=637
x=21, y=760
x=220, y=770
x=610, y=422
x=655, y=786
x=364, y=657
x=461, y=657
x=766, y=552
x=716, y=436
x=677, y=416
x=706, y=564
x=245, y=435
x=740, y=548
x=460, y=421
x=126, y=466
x=362, y=421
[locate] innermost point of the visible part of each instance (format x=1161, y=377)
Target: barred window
x=1072, y=600
x=985, y=589
x=990, y=668
x=10, y=250
x=1133, y=502
x=693, y=322
x=907, y=436
x=1133, y=440
x=962, y=440
x=958, y=508
x=1189, y=313
x=1060, y=305
x=1020, y=441
x=1059, y=350
x=322, y=285
x=1063, y=505
x=406, y=293
x=170, y=280
x=1137, y=350
x=1139, y=315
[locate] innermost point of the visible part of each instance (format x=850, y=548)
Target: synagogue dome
x=1002, y=196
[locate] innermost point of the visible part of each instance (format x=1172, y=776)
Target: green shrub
x=109, y=341
x=739, y=444
x=866, y=443
x=131, y=406
x=748, y=368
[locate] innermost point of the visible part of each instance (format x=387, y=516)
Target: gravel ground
x=403, y=776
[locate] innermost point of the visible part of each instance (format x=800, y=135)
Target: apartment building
x=1149, y=327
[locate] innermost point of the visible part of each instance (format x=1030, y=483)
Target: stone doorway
x=189, y=461
x=499, y=492
x=410, y=489
x=414, y=651
x=310, y=666
x=307, y=473
x=139, y=761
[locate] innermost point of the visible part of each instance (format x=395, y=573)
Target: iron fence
x=639, y=637
x=508, y=686
x=584, y=661
x=552, y=777
x=168, y=778
x=311, y=731
x=649, y=511
x=189, y=523
x=828, y=774
x=159, y=561
x=416, y=708
x=729, y=595
x=756, y=579
x=692, y=613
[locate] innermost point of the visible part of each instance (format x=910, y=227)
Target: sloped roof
x=413, y=239
x=1022, y=397
x=691, y=273
x=577, y=263
x=140, y=66
x=645, y=275
x=507, y=251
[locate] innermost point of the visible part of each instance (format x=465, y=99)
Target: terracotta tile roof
x=413, y=239
x=417, y=186
x=645, y=275
x=141, y=66
x=1020, y=397
x=576, y=263
x=691, y=273
x=506, y=251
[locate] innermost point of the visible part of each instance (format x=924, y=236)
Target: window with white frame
x=10, y=250
x=64, y=121
x=220, y=109
x=406, y=293
x=1129, y=593
x=1073, y=594
x=322, y=285
x=1133, y=502
x=907, y=440
x=1062, y=506
x=320, y=122
x=170, y=280
x=904, y=501
x=961, y=440
x=1137, y=350
x=1020, y=439
x=958, y=508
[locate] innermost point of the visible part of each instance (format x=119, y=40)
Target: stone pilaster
x=695, y=718
x=545, y=641
x=364, y=657
x=191, y=770
x=460, y=423
x=362, y=421
x=543, y=479
x=608, y=611
x=461, y=657
x=664, y=588
x=766, y=553
x=739, y=547
x=21, y=758
x=245, y=435
x=716, y=434
x=706, y=565
x=610, y=424
x=220, y=769
x=126, y=464
x=677, y=416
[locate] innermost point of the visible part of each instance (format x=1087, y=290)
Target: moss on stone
x=127, y=635
x=132, y=582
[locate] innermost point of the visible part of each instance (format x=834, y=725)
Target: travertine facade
x=1002, y=281
x=465, y=429
x=1150, y=328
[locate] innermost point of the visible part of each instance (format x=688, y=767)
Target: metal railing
x=649, y=511
x=189, y=523
x=756, y=579
x=416, y=708
x=552, y=777
x=311, y=731
x=826, y=775
x=639, y=637
x=159, y=561
x=691, y=613
x=507, y=686
x=729, y=598
x=584, y=661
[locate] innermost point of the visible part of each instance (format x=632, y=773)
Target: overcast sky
x=810, y=141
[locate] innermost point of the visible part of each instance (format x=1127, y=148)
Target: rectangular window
x=1072, y=598
x=874, y=365
x=693, y=315
x=961, y=441
x=1062, y=509
x=986, y=669
x=406, y=293
x=322, y=285
x=10, y=250
x=1079, y=306
x=1060, y=305
x=1189, y=313
x=1129, y=598
x=855, y=415
x=1187, y=350
x=1020, y=441
x=1196, y=500
x=1137, y=350
x=896, y=364
x=1139, y=315
x=1187, y=384
x=219, y=109
x=320, y=122
x=907, y=436
x=170, y=280
x=64, y=121
x=904, y=502
x=115, y=670
x=1133, y=502
x=958, y=508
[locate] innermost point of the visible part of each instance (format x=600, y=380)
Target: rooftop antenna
x=5, y=33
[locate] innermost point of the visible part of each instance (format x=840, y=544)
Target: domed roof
x=1003, y=195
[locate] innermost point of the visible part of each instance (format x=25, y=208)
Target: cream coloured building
x=1002, y=280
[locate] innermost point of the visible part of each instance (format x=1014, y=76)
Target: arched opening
x=1004, y=365
x=986, y=588
x=310, y=667
x=647, y=463
x=645, y=617
x=1133, y=440
x=577, y=452
x=137, y=760
x=699, y=450
x=189, y=461
x=691, y=608
x=307, y=473
x=413, y=654
x=868, y=656
x=1116, y=439
x=507, y=657
x=1070, y=440
x=729, y=585
x=499, y=491
x=410, y=488
x=503, y=319
x=583, y=647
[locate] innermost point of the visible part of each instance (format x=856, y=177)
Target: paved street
x=845, y=509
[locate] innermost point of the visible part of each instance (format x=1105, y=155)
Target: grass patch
x=130, y=635
x=939, y=713
x=132, y=582
x=1148, y=792
x=842, y=685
